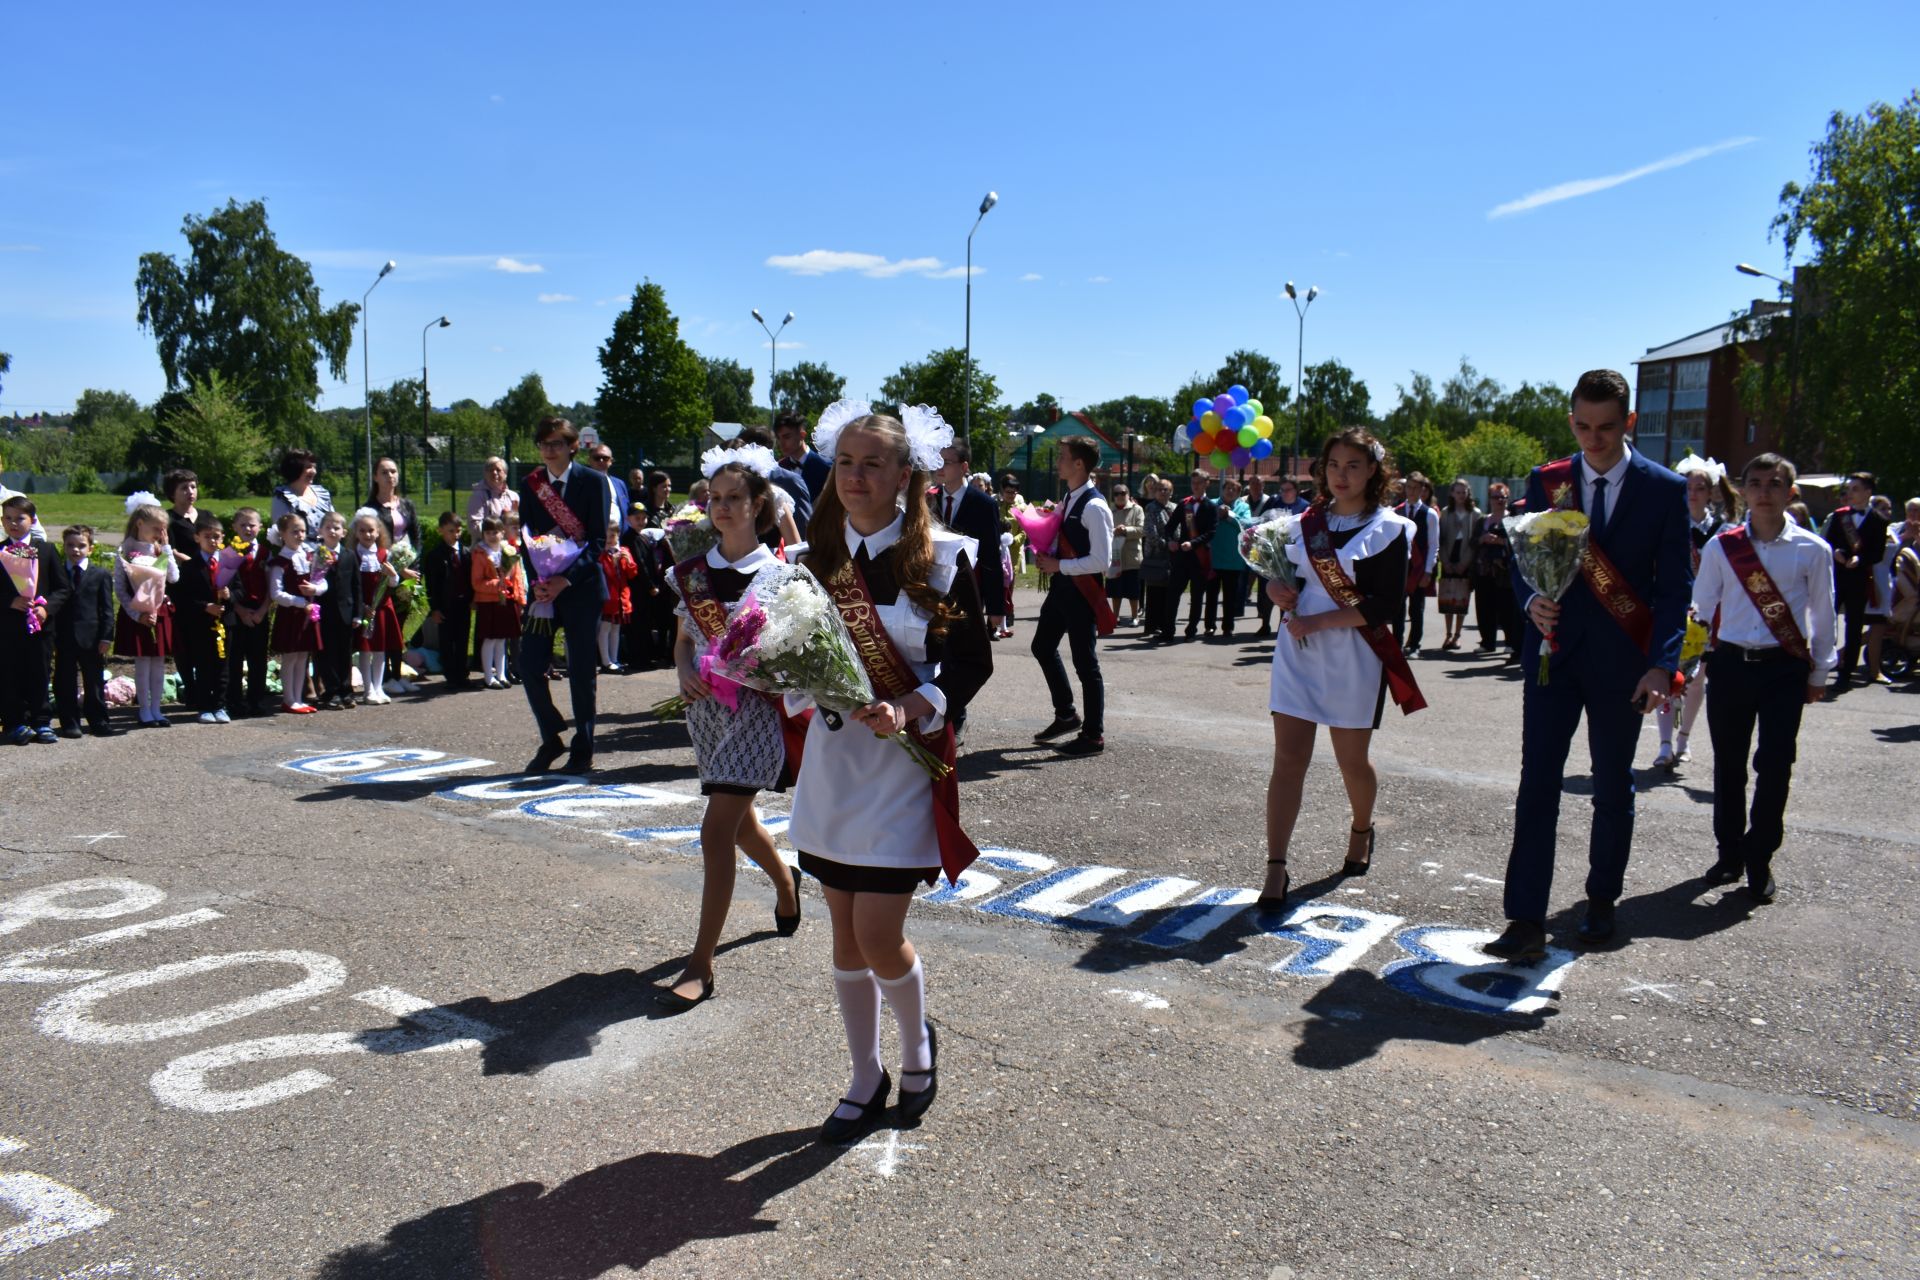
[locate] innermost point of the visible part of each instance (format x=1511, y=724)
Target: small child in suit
x=202, y=606
x=26, y=632
x=82, y=635
x=247, y=607
x=449, y=581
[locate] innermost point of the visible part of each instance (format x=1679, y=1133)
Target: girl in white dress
x=1337, y=678
x=740, y=749
x=864, y=814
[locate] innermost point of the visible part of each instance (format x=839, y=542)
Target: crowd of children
x=232, y=604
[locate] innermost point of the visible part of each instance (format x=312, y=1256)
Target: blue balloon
x=1194, y=429
x=1239, y=393
x=1222, y=403
x=1241, y=416
x=1202, y=405
x=1262, y=449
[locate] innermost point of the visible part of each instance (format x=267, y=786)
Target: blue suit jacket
x=588, y=496
x=978, y=517
x=1648, y=542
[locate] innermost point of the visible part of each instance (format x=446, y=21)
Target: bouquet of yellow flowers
x=1547, y=548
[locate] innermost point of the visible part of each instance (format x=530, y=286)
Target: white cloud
x=1099, y=280
x=557, y=297
x=513, y=266
x=19, y=248
x=495, y=99
x=785, y=346
x=821, y=262
x=1032, y=275
x=955, y=273
x=1588, y=186
x=604, y=302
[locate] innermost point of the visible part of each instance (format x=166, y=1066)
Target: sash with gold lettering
x=556, y=505
x=1764, y=592
x=1379, y=638
x=695, y=580
x=1615, y=594
x=893, y=678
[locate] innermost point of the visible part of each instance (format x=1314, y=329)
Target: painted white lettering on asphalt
x=1332, y=938
x=70, y=1014
x=49, y=1210
x=1446, y=966
x=19, y=967
x=456, y=1030
x=416, y=765
x=46, y=902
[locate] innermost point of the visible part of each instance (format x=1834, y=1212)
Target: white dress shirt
x=1428, y=519
x=1801, y=566
x=1098, y=518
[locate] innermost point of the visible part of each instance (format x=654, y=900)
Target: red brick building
x=1688, y=401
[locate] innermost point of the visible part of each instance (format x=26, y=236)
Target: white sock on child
x=375, y=672
x=293, y=678
x=609, y=643
x=860, y=1012
x=907, y=995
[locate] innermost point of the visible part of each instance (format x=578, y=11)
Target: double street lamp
x=966, y=427
x=426, y=412
x=1299, y=355
x=366, y=383
x=773, y=343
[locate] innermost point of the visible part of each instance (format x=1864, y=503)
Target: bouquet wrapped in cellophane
x=23, y=566
x=1264, y=548
x=148, y=575
x=403, y=557
x=689, y=533
x=1547, y=547
x=548, y=556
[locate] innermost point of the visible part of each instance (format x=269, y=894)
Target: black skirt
x=848, y=878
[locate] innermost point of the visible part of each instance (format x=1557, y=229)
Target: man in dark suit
x=1613, y=658
x=82, y=634
x=791, y=430
x=1193, y=524
x=972, y=514
x=1858, y=535
x=561, y=496
x=24, y=645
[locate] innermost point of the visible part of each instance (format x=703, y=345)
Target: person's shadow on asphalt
x=1674, y=912
x=1354, y=1013
x=625, y=1214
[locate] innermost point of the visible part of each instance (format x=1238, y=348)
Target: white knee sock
x=375, y=671
x=293, y=678
x=489, y=651
x=150, y=680
x=609, y=643
x=1696, y=694
x=1665, y=715
x=860, y=1011
x=907, y=995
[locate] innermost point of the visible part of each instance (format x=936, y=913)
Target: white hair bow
x=826, y=432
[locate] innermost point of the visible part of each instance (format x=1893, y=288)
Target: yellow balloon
x=1264, y=425
x=1209, y=422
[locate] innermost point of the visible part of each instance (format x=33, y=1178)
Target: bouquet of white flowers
x=689, y=533
x=1264, y=548
x=1547, y=547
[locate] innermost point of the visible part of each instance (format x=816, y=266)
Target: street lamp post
x=1299, y=357
x=426, y=414
x=1126, y=442
x=366, y=384
x=1791, y=427
x=966, y=428
x=1746, y=269
x=773, y=344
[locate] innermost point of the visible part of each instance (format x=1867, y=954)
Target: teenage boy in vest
x=1770, y=583
x=1076, y=604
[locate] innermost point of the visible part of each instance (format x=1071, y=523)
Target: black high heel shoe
x=914, y=1102
x=837, y=1129
x=1276, y=901
x=787, y=926
x=1351, y=867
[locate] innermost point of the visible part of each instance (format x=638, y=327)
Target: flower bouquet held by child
x=548, y=556
x=1264, y=548
x=1547, y=547
x=22, y=564
x=689, y=533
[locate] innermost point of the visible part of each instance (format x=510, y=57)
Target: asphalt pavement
x=348, y=996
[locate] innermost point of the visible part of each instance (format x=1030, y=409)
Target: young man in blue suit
x=561, y=496
x=1617, y=633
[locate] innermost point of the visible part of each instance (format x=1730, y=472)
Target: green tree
x=242, y=307
x=1854, y=340
x=1145, y=417
x=730, y=391
x=1260, y=375
x=807, y=388
x=6, y=364
x=1041, y=411
x=1539, y=411
x=940, y=381
x=1426, y=449
x=1331, y=398
x=1416, y=403
x=521, y=410
x=106, y=425
x=654, y=397
x=216, y=432
x=1497, y=450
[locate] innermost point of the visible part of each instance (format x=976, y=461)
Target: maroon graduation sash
x=1615, y=594
x=893, y=678
x=556, y=505
x=1378, y=636
x=704, y=607
x=1093, y=587
x=1764, y=592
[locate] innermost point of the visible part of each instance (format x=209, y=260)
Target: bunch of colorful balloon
x=1232, y=425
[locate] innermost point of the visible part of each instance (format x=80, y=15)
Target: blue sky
x=1162, y=171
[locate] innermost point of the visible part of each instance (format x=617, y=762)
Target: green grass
x=108, y=511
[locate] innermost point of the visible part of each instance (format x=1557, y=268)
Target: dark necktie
x=952, y=502
x=1597, y=518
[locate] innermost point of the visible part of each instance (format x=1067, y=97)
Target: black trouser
x=454, y=632
x=1262, y=602
x=578, y=622
x=193, y=630
x=1853, y=599
x=1067, y=614
x=1769, y=693
x=1416, y=618
x=1224, y=591
x=333, y=660
x=1156, y=603
x=1189, y=579
x=1493, y=610
x=246, y=666
x=73, y=663
x=23, y=673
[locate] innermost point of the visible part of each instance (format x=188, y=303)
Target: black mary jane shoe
x=1353, y=866
x=914, y=1102
x=1276, y=901
x=674, y=1002
x=839, y=1129
x=787, y=926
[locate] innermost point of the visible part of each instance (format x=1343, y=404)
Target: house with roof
x=1688, y=397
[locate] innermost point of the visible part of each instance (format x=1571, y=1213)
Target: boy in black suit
x=25, y=628
x=449, y=575
x=1858, y=535
x=200, y=606
x=339, y=609
x=247, y=611
x=82, y=635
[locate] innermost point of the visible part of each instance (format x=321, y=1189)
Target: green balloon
x=1255, y=406
x=1247, y=437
